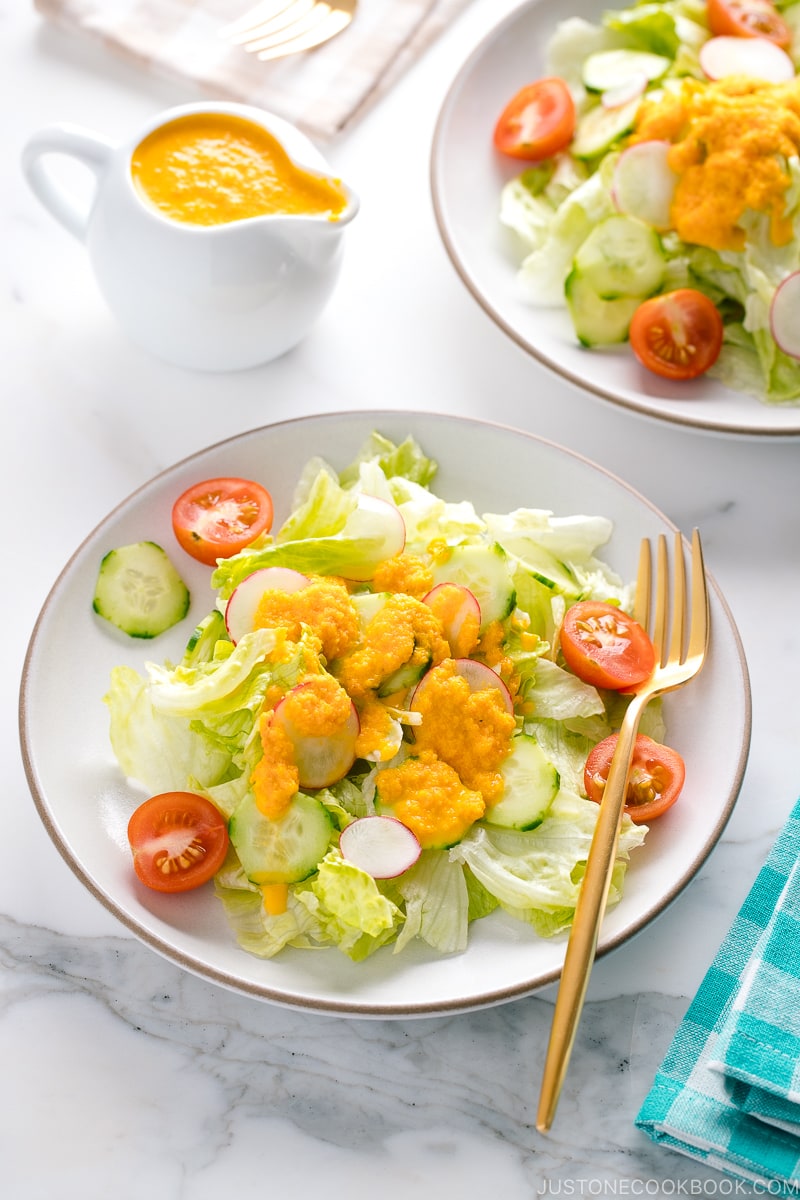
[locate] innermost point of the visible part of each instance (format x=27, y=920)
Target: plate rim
x=755, y=431
x=333, y=1006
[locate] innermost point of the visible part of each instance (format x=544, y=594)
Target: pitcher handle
x=89, y=148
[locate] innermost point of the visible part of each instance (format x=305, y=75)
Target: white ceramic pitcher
x=211, y=297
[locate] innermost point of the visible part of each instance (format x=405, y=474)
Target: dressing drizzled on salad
x=666, y=211
x=378, y=709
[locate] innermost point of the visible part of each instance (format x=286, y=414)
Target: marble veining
x=121, y=1075
x=128, y=1055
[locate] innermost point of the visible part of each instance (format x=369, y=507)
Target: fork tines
x=655, y=612
x=275, y=28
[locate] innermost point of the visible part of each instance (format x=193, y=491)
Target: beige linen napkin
x=323, y=90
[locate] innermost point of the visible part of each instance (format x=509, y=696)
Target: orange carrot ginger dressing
x=213, y=168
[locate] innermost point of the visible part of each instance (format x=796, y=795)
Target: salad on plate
x=396, y=717
x=659, y=200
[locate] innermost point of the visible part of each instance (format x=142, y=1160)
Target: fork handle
x=589, y=911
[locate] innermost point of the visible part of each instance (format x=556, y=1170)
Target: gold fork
x=677, y=661
x=275, y=28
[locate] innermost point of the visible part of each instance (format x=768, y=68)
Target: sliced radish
x=784, y=315
x=757, y=57
x=643, y=184
x=382, y=846
x=454, y=604
x=240, y=610
x=380, y=526
x=626, y=91
x=478, y=676
x=320, y=761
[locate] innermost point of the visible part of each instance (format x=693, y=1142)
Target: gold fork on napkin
x=276, y=28
x=674, y=667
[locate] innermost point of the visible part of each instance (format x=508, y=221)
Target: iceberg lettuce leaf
x=556, y=695
x=322, y=514
x=406, y=460
x=540, y=869
x=158, y=750
x=178, y=726
x=649, y=27
x=349, y=907
x=256, y=930
x=218, y=687
x=437, y=903
x=574, y=538
x=354, y=550
x=527, y=213
x=427, y=517
x=547, y=922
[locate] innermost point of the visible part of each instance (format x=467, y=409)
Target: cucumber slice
x=622, y=256
x=200, y=647
x=404, y=677
x=545, y=568
x=368, y=605
x=486, y=571
x=139, y=590
x=612, y=68
x=600, y=127
x=530, y=784
x=598, y=322
x=282, y=851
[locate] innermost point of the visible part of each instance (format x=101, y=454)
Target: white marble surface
x=123, y=1076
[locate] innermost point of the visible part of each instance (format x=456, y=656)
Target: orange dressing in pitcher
x=214, y=168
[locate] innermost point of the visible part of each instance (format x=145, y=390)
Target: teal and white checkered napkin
x=728, y=1090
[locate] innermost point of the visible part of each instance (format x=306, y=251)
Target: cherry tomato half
x=538, y=123
x=603, y=646
x=677, y=335
x=219, y=517
x=179, y=841
x=748, y=18
x=656, y=778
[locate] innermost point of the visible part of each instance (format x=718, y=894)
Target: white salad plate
x=467, y=176
x=85, y=802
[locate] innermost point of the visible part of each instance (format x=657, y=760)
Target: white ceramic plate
x=85, y=803
x=467, y=176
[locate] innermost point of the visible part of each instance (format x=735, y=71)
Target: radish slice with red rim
x=462, y=607
x=643, y=184
x=375, y=520
x=478, y=676
x=241, y=608
x=382, y=846
x=784, y=315
x=757, y=57
x=320, y=760
x=628, y=90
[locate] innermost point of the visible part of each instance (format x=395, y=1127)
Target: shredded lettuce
x=648, y=27
x=404, y=461
x=350, y=547
x=256, y=930
x=351, y=910
x=196, y=724
x=536, y=875
x=437, y=903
